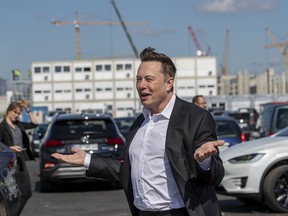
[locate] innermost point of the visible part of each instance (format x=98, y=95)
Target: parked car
x=49, y=116
x=9, y=186
x=257, y=171
x=228, y=129
x=94, y=133
x=37, y=135
x=273, y=118
x=124, y=123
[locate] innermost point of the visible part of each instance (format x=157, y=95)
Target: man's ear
x=170, y=83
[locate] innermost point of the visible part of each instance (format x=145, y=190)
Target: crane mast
x=199, y=51
x=125, y=29
x=225, y=54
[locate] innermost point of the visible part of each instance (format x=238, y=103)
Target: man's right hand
x=76, y=159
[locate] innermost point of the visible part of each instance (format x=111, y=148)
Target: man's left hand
x=207, y=149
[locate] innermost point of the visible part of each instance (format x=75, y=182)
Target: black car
x=228, y=129
x=124, y=123
x=9, y=186
x=273, y=117
x=94, y=133
x=37, y=135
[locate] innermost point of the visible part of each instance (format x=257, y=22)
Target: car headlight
x=246, y=158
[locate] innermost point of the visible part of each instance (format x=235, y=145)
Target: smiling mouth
x=144, y=95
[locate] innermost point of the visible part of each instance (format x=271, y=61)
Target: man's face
x=202, y=102
x=153, y=87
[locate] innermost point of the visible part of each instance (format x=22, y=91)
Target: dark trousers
x=172, y=212
x=24, y=182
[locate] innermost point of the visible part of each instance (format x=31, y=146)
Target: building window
x=108, y=89
x=78, y=90
x=67, y=90
x=37, y=70
x=37, y=92
x=57, y=69
x=99, y=68
x=87, y=90
x=98, y=89
x=120, y=89
x=66, y=68
x=46, y=70
x=107, y=67
x=128, y=66
x=210, y=73
x=87, y=69
x=201, y=86
x=210, y=86
x=58, y=91
x=119, y=67
x=46, y=91
x=78, y=69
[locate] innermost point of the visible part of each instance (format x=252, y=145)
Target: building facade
x=108, y=85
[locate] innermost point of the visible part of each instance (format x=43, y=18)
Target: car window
x=227, y=128
x=80, y=128
x=282, y=118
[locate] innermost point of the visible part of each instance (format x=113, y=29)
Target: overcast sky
x=27, y=34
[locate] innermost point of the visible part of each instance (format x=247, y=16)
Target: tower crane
x=282, y=47
x=225, y=54
x=125, y=29
x=77, y=24
x=199, y=50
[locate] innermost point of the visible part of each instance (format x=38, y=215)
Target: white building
x=108, y=85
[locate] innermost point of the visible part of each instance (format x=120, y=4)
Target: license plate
x=87, y=147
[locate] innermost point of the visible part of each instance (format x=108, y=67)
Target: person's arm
x=207, y=149
x=25, y=105
x=96, y=166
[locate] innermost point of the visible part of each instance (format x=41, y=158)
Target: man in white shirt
x=172, y=162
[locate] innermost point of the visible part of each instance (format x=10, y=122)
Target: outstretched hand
x=207, y=149
x=76, y=159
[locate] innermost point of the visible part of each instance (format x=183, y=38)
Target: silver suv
x=93, y=133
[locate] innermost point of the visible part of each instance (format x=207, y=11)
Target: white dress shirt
x=153, y=184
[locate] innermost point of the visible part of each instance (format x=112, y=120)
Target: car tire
x=275, y=189
x=46, y=186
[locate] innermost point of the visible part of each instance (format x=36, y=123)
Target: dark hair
x=196, y=97
x=12, y=106
x=168, y=67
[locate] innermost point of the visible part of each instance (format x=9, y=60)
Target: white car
x=257, y=170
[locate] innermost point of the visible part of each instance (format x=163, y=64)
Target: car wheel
x=3, y=210
x=275, y=189
x=47, y=186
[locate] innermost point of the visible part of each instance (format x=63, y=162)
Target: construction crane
x=282, y=47
x=225, y=54
x=77, y=24
x=125, y=29
x=199, y=51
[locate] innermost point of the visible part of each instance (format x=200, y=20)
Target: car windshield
x=79, y=128
x=283, y=132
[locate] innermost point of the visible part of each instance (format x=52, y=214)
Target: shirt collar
x=166, y=112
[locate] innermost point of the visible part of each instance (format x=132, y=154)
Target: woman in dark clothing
x=13, y=134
